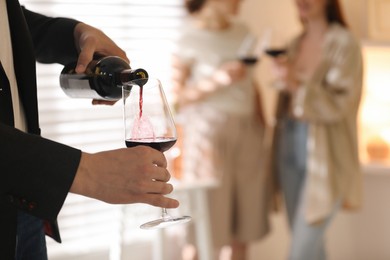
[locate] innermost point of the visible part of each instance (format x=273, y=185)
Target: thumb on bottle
x=83, y=61
x=80, y=68
x=85, y=56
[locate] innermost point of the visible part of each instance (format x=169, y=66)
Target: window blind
x=145, y=30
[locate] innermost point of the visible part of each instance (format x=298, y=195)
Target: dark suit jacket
x=35, y=173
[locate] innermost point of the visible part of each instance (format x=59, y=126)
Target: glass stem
x=164, y=213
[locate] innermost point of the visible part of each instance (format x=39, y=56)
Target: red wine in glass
x=249, y=60
x=275, y=52
x=161, y=144
x=140, y=100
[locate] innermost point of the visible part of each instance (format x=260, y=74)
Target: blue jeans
x=30, y=238
x=307, y=241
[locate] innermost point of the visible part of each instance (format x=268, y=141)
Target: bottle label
x=83, y=89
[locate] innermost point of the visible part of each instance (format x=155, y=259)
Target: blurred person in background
x=220, y=111
x=315, y=141
x=36, y=173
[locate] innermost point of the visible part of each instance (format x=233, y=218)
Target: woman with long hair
x=315, y=140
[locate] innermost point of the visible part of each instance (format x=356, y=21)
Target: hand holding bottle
x=89, y=41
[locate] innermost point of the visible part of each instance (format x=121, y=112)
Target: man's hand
x=90, y=40
x=129, y=175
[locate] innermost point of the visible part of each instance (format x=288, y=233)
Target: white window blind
x=145, y=30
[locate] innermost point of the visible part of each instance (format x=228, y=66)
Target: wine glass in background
x=148, y=121
x=250, y=50
x=275, y=43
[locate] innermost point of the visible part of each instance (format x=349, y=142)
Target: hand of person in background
x=286, y=80
x=230, y=72
x=227, y=74
x=90, y=40
x=123, y=176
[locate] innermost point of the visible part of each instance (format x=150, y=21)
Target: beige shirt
x=7, y=62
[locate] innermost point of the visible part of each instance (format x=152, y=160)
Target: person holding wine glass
x=316, y=160
x=37, y=173
x=222, y=121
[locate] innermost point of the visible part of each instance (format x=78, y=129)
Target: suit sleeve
x=39, y=172
x=52, y=37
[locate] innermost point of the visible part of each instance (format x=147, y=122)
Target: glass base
x=165, y=222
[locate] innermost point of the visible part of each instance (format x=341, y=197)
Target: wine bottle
x=103, y=79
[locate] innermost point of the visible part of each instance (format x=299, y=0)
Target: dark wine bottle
x=103, y=78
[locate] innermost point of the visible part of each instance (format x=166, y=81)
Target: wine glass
x=249, y=50
x=275, y=43
x=148, y=121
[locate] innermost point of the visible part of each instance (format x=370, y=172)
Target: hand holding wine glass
x=124, y=176
x=148, y=122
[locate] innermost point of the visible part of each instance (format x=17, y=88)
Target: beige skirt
x=230, y=149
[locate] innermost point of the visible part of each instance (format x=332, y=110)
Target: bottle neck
x=126, y=76
x=129, y=75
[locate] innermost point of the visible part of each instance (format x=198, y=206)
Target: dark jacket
x=36, y=173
